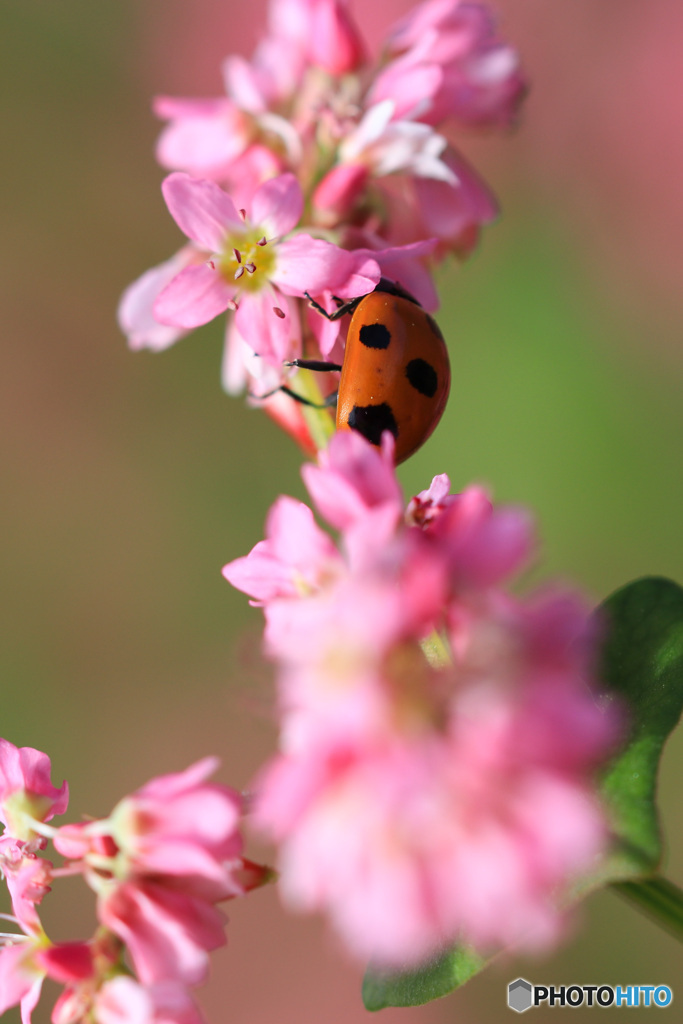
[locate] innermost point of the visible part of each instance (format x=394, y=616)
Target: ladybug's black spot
x=375, y=336
x=422, y=376
x=372, y=420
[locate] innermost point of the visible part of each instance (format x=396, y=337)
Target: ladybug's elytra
x=395, y=375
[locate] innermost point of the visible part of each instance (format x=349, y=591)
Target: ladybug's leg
x=319, y=365
x=346, y=307
x=329, y=402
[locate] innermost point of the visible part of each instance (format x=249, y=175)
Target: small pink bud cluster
x=159, y=865
x=321, y=169
x=438, y=734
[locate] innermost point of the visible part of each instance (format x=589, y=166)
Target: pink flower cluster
x=438, y=734
x=319, y=170
x=159, y=865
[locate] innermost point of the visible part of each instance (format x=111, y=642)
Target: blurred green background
x=128, y=480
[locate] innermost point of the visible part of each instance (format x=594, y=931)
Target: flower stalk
x=658, y=899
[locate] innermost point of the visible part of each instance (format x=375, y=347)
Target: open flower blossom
x=27, y=797
x=318, y=157
x=438, y=734
x=251, y=268
x=159, y=865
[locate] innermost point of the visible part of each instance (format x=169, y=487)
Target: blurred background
x=129, y=480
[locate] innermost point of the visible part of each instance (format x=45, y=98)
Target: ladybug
x=395, y=375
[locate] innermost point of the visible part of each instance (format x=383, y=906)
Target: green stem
x=658, y=899
x=320, y=421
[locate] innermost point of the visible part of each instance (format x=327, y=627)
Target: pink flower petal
x=353, y=477
x=334, y=42
x=135, y=313
x=168, y=934
x=307, y=264
x=277, y=205
x=20, y=981
x=410, y=87
x=194, y=297
x=450, y=211
x=169, y=108
x=67, y=962
x=201, y=209
x=123, y=1001
x=204, y=144
x=268, y=334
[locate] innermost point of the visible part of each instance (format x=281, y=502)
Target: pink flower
x=295, y=559
x=167, y=932
x=354, y=480
x=462, y=815
x=85, y=972
x=159, y=863
x=180, y=827
x=318, y=32
x=334, y=42
x=123, y=1001
x=216, y=139
x=413, y=843
x=463, y=69
x=455, y=212
x=28, y=879
x=251, y=268
x=179, y=830
x=387, y=145
x=21, y=979
x=204, y=137
x=25, y=965
x=27, y=796
x=437, y=736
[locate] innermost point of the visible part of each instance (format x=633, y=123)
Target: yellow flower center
x=248, y=259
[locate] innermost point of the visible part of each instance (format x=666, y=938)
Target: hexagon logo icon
x=520, y=995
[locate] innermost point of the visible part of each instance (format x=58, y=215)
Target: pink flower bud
x=336, y=194
x=334, y=41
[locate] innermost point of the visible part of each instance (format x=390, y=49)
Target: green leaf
x=437, y=977
x=642, y=662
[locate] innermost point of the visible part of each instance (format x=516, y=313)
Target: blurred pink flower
x=320, y=32
x=27, y=796
x=168, y=933
x=448, y=55
x=388, y=145
x=437, y=734
x=25, y=964
x=21, y=978
x=354, y=479
x=28, y=879
x=411, y=842
x=123, y=1001
x=295, y=559
x=203, y=137
x=334, y=42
